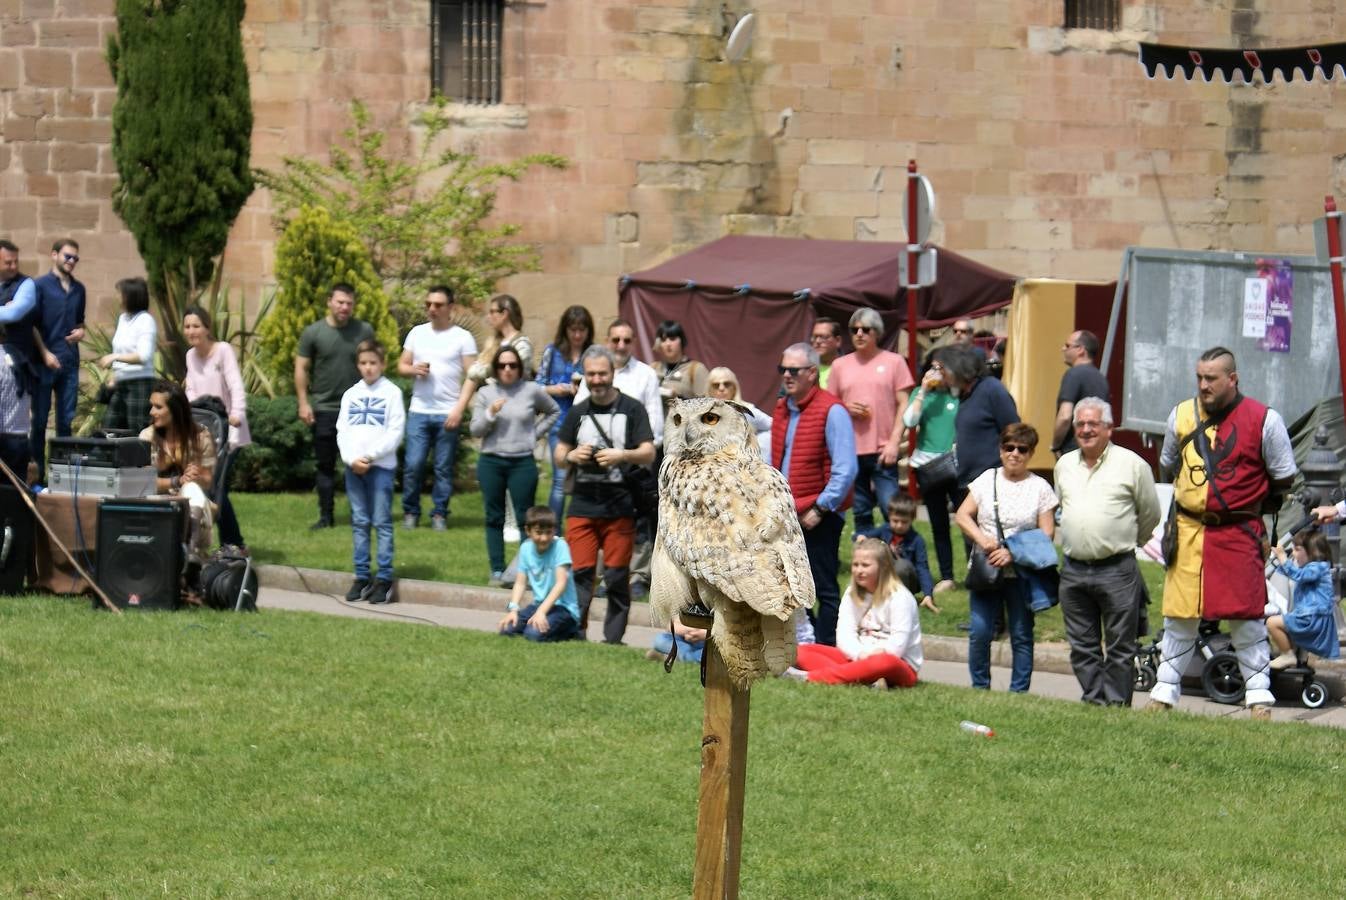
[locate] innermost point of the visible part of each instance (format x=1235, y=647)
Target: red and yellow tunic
x=1218, y=570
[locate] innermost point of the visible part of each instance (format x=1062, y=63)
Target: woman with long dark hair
x=132, y=359
x=560, y=375
x=183, y=454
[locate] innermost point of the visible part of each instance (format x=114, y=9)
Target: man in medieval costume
x=1230, y=460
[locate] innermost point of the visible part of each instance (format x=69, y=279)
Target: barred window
x=1104, y=14
x=465, y=51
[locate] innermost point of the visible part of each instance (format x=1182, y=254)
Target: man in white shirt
x=435, y=354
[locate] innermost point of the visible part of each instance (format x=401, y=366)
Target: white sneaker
x=795, y=674
x=1284, y=661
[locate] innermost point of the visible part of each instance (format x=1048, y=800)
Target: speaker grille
x=140, y=552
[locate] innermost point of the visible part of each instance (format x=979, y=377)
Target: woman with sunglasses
x=560, y=375
x=724, y=386
x=510, y=415
x=1000, y=503
x=505, y=317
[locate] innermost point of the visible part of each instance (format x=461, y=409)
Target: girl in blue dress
x=1311, y=624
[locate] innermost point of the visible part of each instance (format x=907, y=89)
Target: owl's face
x=703, y=426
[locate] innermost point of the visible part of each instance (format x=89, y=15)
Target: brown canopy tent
x=743, y=299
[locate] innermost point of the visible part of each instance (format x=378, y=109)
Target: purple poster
x=1280, y=282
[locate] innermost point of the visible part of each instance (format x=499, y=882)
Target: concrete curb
x=1047, y=656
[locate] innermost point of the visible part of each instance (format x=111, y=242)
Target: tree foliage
x=315, y=252
x=422, y=214
x=181, y=130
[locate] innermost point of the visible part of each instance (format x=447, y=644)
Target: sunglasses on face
x=861, y=329
x=962, y=331
x=508, y=365
x=621, y=340
x=1021, y=449
x=792, y=371
x=721, y=384
x=70, y=257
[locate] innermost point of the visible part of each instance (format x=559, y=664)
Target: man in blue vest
x=60, y=311
x=18, y=371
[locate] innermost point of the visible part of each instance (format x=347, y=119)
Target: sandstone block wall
x=1049, y=149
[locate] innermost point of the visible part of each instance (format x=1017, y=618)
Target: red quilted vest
x=810, y=463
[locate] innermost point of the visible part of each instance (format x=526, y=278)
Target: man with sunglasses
x=813, y=445
x=1082, y=379
x=826, y=339
x=60, y=309
x=873, y=385
x=1231, y=460
x=435, y=355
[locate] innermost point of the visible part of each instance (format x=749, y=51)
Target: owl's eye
x=677, y=418
x=710, y=418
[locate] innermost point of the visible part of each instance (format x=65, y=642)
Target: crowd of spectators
x=839, y=427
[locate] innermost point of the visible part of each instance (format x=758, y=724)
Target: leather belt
x=1099, y=563
x=1220, y=517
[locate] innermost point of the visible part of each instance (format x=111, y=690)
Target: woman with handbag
x=1000, y=503
x=560, y=375
x=509, y=415
x=931, y=413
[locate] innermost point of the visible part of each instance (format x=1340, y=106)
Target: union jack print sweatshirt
x=370, y=423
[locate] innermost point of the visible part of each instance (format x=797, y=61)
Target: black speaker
x=141, y=552
x=16, y=540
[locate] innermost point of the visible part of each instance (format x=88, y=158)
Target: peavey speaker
x=16, y=540
x=141, y=552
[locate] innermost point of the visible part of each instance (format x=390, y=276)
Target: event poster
x=1279, y=277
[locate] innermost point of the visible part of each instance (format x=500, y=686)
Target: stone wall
x=1050, y=150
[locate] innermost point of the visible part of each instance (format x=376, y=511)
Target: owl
x=729, y=537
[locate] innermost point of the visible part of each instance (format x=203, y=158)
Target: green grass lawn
x=276, y=527
x=283, y=754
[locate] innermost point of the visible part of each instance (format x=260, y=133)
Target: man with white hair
x=873, y=384
x=1108, y=508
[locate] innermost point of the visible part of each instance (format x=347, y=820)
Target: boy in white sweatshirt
x=369, y=428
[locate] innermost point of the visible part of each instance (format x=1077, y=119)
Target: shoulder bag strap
x=995, y=495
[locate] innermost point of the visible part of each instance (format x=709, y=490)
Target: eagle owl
x=729, y=537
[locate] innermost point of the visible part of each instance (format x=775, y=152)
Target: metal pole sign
x=1332, y=232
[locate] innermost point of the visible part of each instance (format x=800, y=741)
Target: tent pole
x=1116, y=314
x=1334, y=258
x=913, y=282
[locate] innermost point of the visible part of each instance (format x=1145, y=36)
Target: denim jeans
x=875, y=487
x=426, y=431
x=14, y=451
x=371, y=498
x=561, y=625
x=498, y=474
x=689, y=653
x=1013, y=597
x=557, y=498
x=65, y=383
x=822, y=543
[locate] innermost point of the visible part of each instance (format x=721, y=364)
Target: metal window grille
x=1103, y=14
x=465, y=49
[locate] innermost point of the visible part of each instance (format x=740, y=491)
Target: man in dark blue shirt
x=60, y=308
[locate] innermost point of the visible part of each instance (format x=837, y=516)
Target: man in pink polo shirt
x=873, y=384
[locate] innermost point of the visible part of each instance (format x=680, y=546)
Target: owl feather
x=728, y=537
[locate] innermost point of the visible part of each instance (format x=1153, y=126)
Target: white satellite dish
x=740, y=39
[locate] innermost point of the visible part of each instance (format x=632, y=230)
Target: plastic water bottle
x=974, y=728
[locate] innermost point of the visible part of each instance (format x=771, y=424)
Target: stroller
x=227, y=580
x=1215, y=665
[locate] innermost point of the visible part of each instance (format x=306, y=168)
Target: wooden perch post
x=724, y=768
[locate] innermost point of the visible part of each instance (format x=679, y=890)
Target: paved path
x=480, y=609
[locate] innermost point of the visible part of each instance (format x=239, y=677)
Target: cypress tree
x=181, y=130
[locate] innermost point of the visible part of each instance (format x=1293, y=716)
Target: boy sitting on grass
x=544, y=567
x=907, y=544
x=369, y=428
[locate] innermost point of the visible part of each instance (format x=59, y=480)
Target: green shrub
x=315, y=252
x=280, y=458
